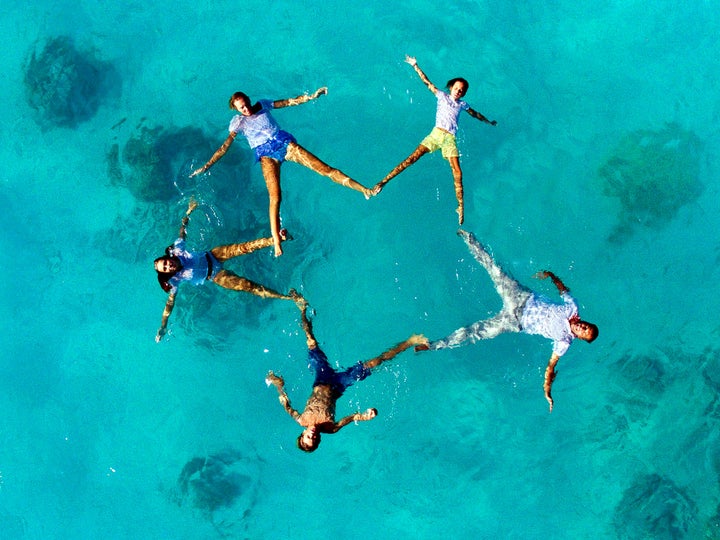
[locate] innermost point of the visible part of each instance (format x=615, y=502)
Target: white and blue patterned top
x=448, y=110
x=258, y=128
x=551, y=320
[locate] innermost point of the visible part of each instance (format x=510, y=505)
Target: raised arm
x=279, y=384
x=413, y=62
x=357, y=417
x=220, y=152
x=550, y=375
x=290, y=102
x=479, y=116
x=192, y=205
x=556, y=280
x=412, y=341
x=169, y=305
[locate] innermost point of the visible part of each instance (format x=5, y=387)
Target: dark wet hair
x=238, y=95
x=458, y=79
x=165, y=277
x=593, y=331
x=307, y=449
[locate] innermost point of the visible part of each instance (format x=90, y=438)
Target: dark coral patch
x=67, y=85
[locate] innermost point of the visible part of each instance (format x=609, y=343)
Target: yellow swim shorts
x=440, y=139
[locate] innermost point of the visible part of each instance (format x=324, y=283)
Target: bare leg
x=457, y=178
x=223, y=253
x=306, y=324
x=298, y=154
x=271, y=173
x=230, y=280
x=419, y=152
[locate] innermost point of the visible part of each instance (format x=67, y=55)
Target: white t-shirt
x=258, y=128
x=548, y=319
x=448, y=110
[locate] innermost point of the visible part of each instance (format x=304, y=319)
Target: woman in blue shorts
x=272, y=146
x=181, y=265
x=319, y=414
x=442, y=137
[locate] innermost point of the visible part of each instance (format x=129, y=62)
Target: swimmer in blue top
x=319, y=414
x=442, y=137
x=178, y=265
x=523, y=311
x=272, y=146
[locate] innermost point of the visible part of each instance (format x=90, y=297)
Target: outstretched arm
x=413, y=62
x=192, y=205
x=479, y=116
x=290, y=102
x=217, y=155
x=414, y=340
x=279, y=383
x=550, y=375
x=556, y=280
x=357, y=417
x=166, y=315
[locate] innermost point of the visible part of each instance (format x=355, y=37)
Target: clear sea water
x=106, y=434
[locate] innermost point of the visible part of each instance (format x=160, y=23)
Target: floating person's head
x=166, y=267
x=240, y=102
x=584, y=330
x=457, y=87
x=309, y=440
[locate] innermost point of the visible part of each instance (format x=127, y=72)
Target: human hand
x=192, y=205
x=543, y=274
x=159, y=335
x=274, y=380
x=493, y=123
x=411, y=60
x=550, y=401
x=461, y=214
x=320, y=91
x=197, y=171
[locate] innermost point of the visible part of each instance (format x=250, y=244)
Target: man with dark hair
x=523, y=311
x=319, y=414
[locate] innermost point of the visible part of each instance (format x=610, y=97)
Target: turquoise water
x=594, y=103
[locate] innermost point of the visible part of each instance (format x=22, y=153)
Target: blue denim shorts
x=325, y=374
x=275, y=148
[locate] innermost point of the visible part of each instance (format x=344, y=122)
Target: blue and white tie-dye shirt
x=258, y=128
x=551, y=320
x=194, y=265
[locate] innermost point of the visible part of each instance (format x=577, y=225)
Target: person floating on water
x=319, y=414
x=442, y=135
x=178, y=265
x=272, y=146
x=523, y=311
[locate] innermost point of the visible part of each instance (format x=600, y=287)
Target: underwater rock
x=150, y=158
x=643, y=374
x=712, y=528
x=154, y=163
x=654, y=507
x=222, y=487
x=653, y=174
x=67, y=85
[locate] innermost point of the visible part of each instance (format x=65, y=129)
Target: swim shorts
x=275, y=148
x=325, y=374
x=439, y=139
